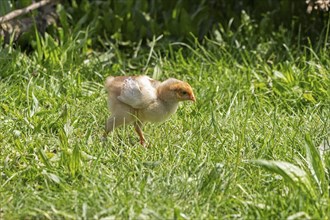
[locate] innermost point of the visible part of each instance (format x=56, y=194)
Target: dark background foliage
x=131, y=21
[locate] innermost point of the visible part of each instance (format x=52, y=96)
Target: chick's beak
x=192, y=98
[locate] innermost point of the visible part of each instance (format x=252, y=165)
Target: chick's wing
x=138, y=92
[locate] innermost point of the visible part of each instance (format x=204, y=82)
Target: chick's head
x=183, y=91
x=176, y=90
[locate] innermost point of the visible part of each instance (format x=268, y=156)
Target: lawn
x=249, y=148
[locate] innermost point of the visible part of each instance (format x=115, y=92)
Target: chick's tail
x=108, y=82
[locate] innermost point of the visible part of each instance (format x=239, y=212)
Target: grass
x=216, y=159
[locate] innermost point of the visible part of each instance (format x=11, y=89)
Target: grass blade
x=290, y=173
x=316, y=164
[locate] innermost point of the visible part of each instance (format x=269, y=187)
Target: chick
x=139, y=99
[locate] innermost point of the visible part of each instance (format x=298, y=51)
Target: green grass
x=204, y=163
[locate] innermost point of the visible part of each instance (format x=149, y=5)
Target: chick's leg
x=109, y=126
x=138, y=129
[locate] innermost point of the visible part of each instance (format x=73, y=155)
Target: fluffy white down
x=138, y=92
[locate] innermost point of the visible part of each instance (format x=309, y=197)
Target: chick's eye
x=183, y=93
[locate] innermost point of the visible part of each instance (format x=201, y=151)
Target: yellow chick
x=139, y=99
